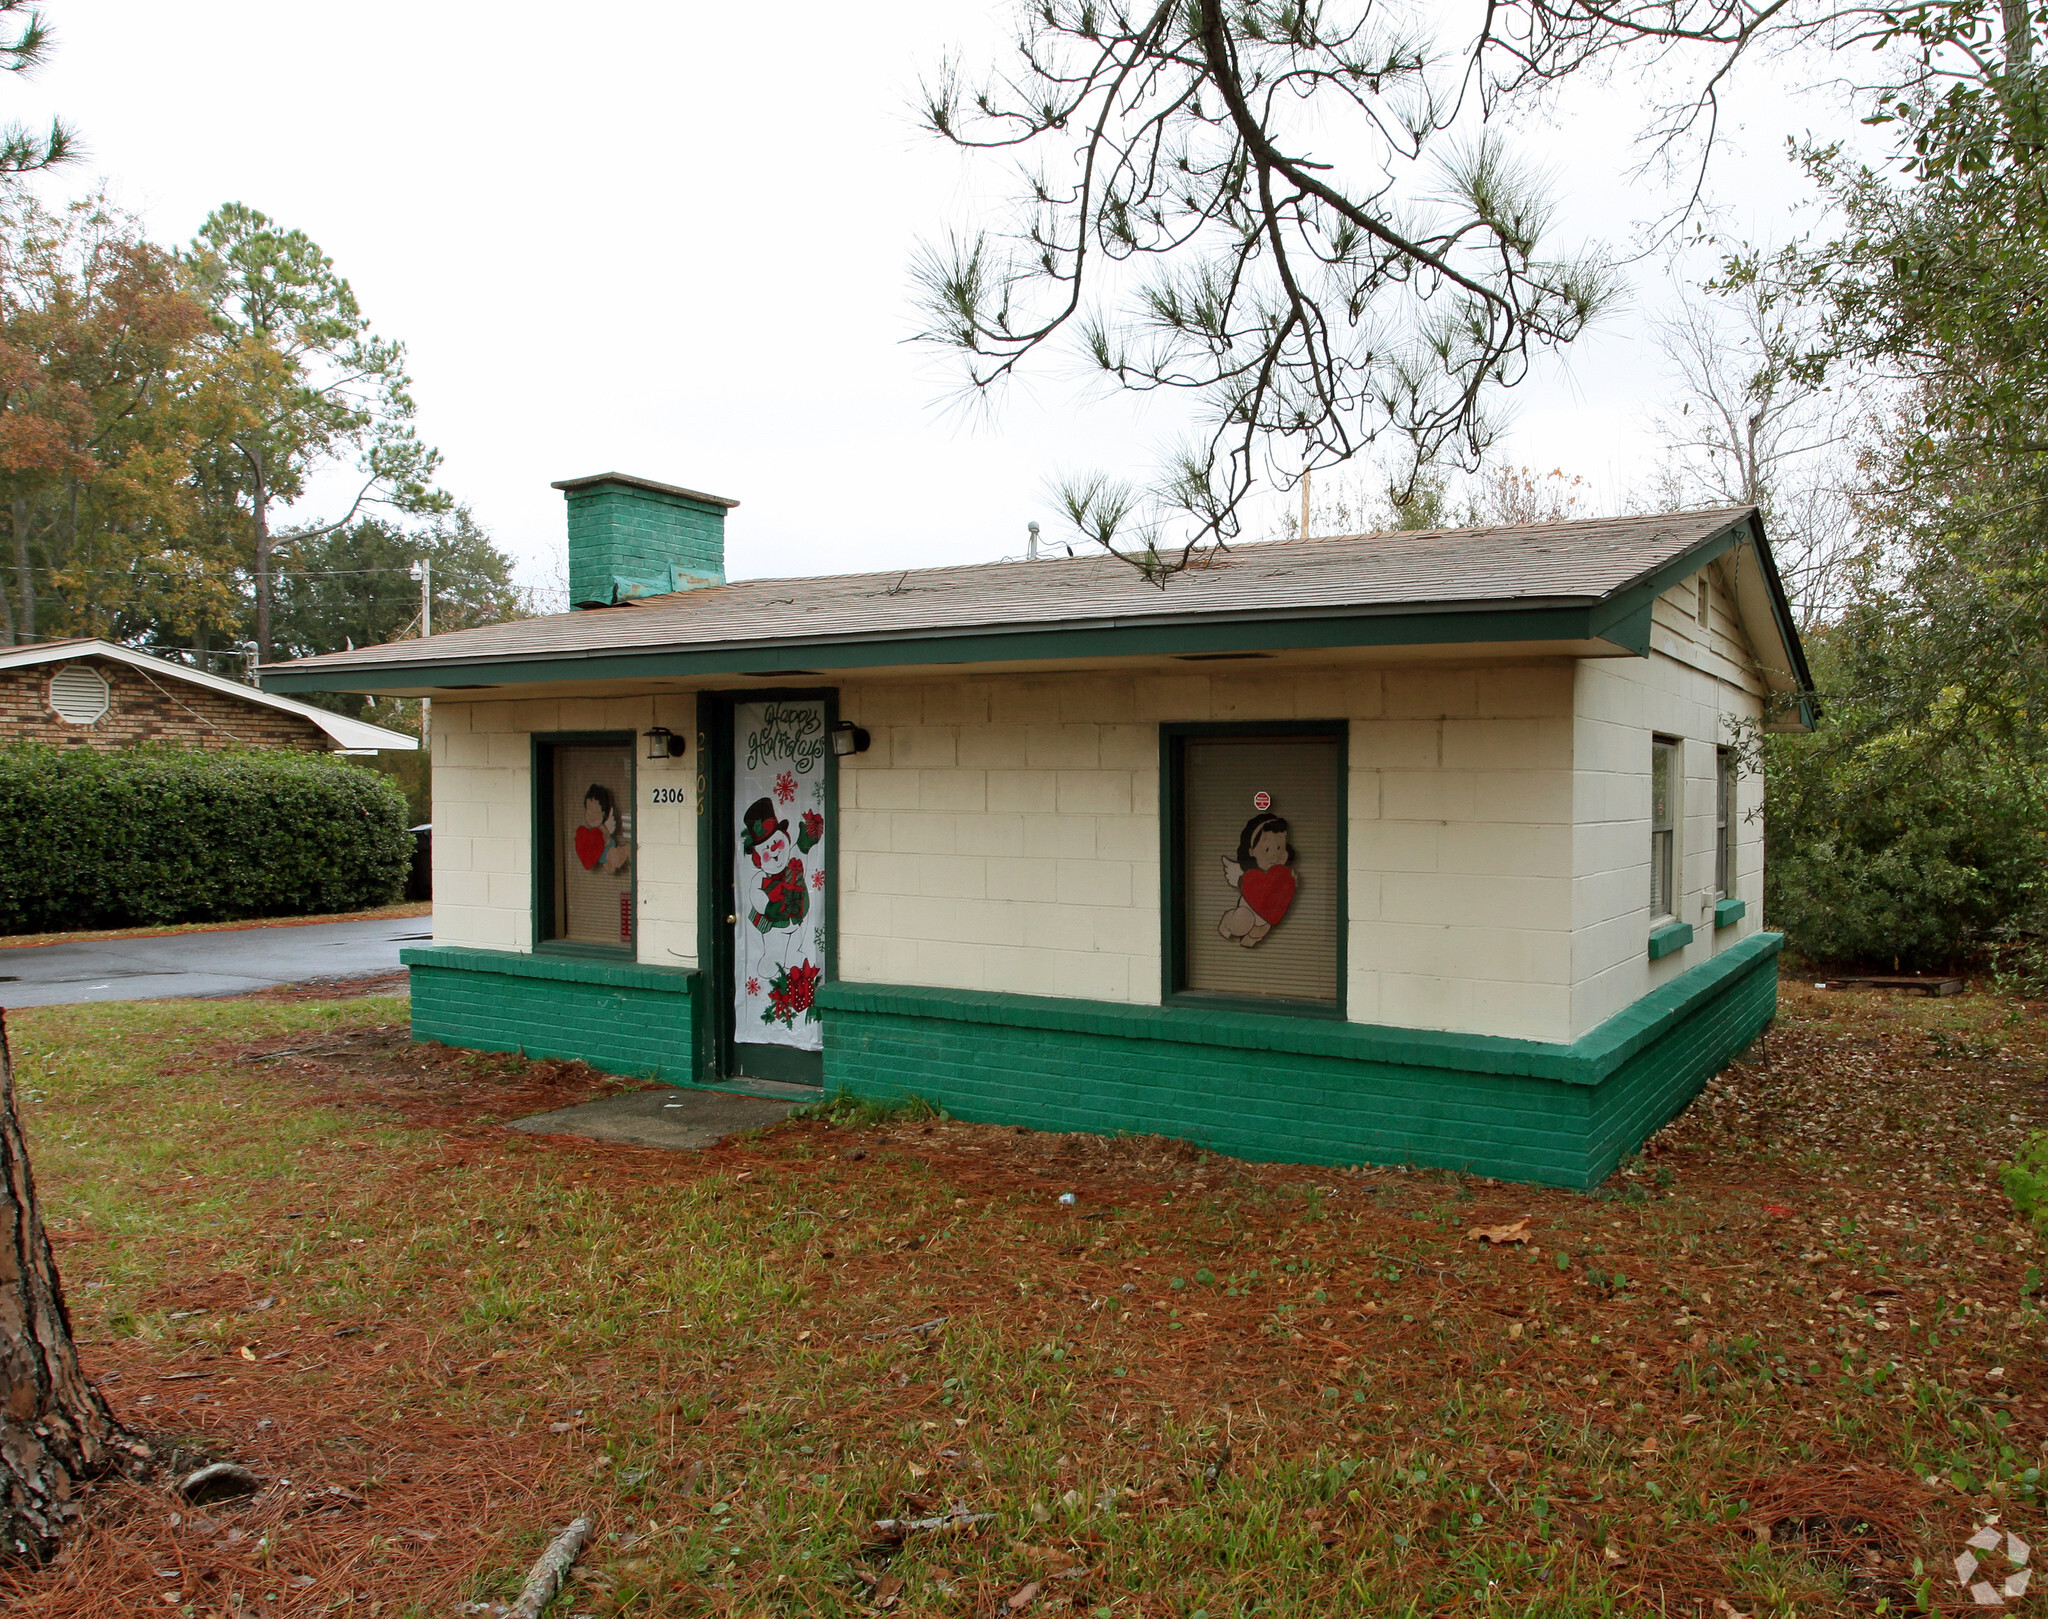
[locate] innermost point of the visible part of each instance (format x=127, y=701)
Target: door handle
x=730, y=920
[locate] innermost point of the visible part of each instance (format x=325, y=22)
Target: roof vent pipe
x=1031, y=545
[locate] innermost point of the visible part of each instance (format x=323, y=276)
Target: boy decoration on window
x=1262, y=878
x=785, y=896
x=598, y=844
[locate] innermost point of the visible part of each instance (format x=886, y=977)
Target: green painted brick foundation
x=617, y=1016
x=1305, y=1091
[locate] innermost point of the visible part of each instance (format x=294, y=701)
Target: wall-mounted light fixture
x=848, y=737
x=662, y=743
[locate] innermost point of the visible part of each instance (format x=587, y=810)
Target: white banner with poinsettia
x=779, y=872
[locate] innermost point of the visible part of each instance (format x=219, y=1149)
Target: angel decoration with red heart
x=1262, y=878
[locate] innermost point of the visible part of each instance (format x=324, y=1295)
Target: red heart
x=589, y=846
x=1268, y=892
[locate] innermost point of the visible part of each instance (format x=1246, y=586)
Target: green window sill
x=1671, y=936
x=1728, y=912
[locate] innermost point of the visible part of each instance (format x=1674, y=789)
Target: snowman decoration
x=1261, y=874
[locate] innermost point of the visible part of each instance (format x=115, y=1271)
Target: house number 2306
x=671, y=795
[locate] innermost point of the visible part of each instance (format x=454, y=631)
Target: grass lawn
x=1786, y=1363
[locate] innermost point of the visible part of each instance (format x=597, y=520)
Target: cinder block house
x=1433, y=848
x=88, y=693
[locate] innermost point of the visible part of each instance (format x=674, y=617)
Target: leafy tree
x=96, y=338
x=301, y=382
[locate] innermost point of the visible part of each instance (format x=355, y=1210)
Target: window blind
x=1293, y=956
x=593, y=853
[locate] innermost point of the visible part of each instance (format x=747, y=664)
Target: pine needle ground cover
x=1787, y=1362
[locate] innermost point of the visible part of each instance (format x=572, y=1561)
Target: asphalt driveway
x=230, y=962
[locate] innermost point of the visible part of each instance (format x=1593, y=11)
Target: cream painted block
x=1061, y=837
x=1456, y=900
x=883, y=789
x=1062, y=747
x=863, y=829
x=952, y=876
x=1362, y=997
x=1397, y=744
x=1430, y=694
x=1102, y=699
x=1022, y=702
x=987, y=922
x=1362, y=796
x=1021, y=972
x=1398, y=845
x=627, y=713
x=1130, y=747
x=956, y=703
x=992, y=747
x=1255, y=698
x=1507, y=850
x=1431, y=795
x=452, y=853
x=510, y=890
x=946, y=965
x=510, y=750
x=1092, y=882
x=1000, y=836
x=1132, y=931
x=912, y=833
x=447, y=719
x=1522, y=796
x=1129, y=837
x=1514, y=1011
x=1028, y=791
x=533, y=714
x=467, y=751
x=1362, y=896
x=921, y=748
x=1361, y=693
x=1092, y=792
x=499, y=854
x=462, y=888
x=1519, y=744
x=1495, y=955
x=464, y=820
x=1091, y=976
x=955, y=792
x=511, y=818
x=1019, y=881
x=1524, y=690
x=581, y=714
x=1180, y=698
x=863, y=912
x=892, y=704
x=875, y=873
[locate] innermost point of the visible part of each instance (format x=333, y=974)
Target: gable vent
x=78, y=692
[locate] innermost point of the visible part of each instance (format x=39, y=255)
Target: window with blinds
x=1664, y=787
x=1258, y=829
x=588, y=843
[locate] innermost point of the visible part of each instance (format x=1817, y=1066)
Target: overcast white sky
x=673, y=240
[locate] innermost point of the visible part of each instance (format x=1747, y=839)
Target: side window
x=584, y=843
x=1664, y=816
x=1725, y=774
x=1257, y=830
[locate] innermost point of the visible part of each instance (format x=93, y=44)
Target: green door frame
x=714, y=894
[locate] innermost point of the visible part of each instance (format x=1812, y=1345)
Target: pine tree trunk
x=259, y=498
x=55, y=1431
x=25, y=625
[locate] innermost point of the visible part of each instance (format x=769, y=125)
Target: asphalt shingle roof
x=1544, y=564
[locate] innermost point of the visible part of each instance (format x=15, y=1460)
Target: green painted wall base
x=1300, y=1090
x=617, y=1016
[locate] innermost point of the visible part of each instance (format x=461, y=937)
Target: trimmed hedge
x=152, y=835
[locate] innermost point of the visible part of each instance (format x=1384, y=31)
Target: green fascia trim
x=1671, y=936
x=1727, y=912
x=561, y=968
x=1587, y=1061
x=1168, y=638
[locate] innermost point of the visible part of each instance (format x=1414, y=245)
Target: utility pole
x=426, y=629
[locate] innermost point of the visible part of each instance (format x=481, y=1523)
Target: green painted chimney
x=633, y=537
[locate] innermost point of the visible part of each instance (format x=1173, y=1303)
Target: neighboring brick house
x=1434, y=848
x=95, y=694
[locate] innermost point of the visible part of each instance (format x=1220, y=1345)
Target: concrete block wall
x=483, y=819
x=1003, y=834
x=1697, y=685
